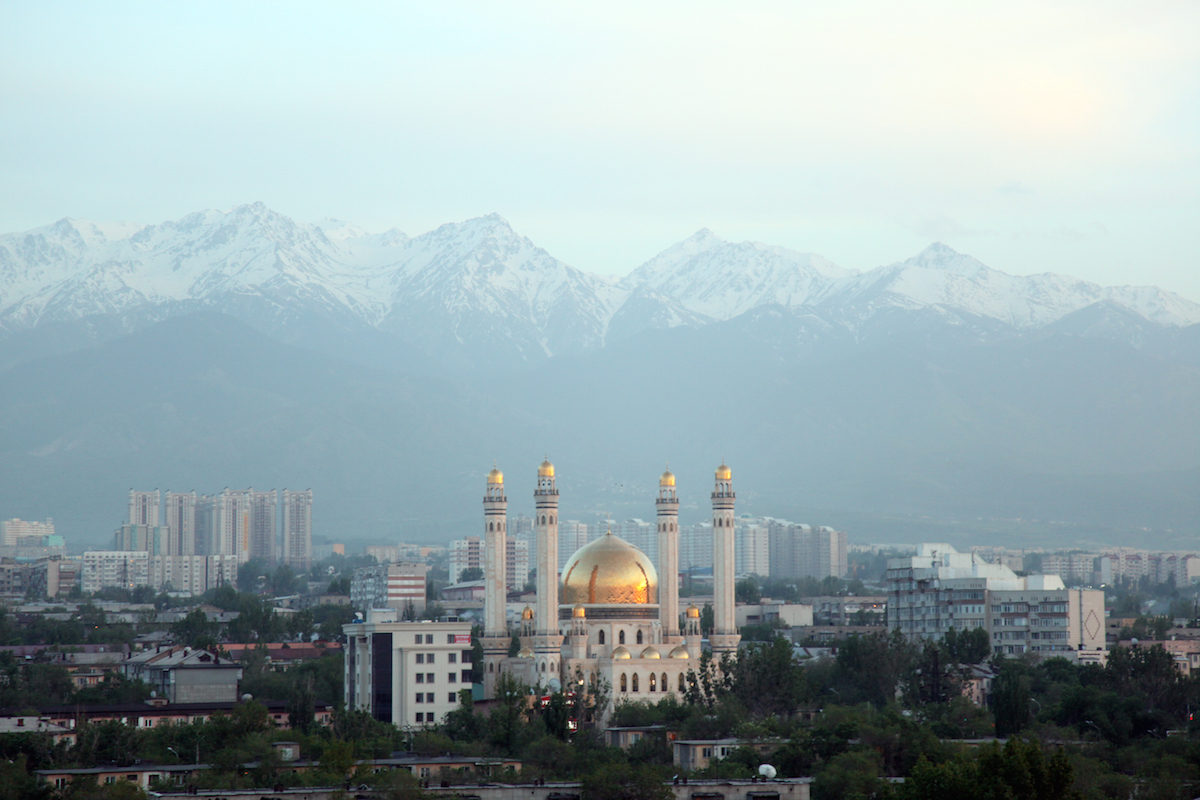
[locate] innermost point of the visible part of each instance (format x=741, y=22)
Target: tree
x=471, y=574
x=625, y=782
x=1010, y=699
x=746, y=591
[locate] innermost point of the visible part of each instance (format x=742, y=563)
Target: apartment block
x=125, y=569
x=143, y=508
x=752, y=549
x=263, y=529
x=393, y=585
x=297, y=529
x=940, y=589
x=465, y=554
x=406, y=673
x=192, y=575
x=799, y=551
x=17, y=528
x=181, y=523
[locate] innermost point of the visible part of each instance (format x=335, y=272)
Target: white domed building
x=608, y=616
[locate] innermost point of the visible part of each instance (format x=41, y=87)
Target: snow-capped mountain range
x=479, y=283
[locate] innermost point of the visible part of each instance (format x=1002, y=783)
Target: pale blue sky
x=1038, y=137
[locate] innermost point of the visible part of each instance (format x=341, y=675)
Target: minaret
x=724, y=636
x=495, y=537
x=495, y=627
x=667, y=506
x=547, y=641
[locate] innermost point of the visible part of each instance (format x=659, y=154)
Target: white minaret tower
x=495, y=627
x=667, y=506
x=724, y=637
x=548, y=641
x=545, y=501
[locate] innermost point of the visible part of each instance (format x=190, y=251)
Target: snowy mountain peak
x=942, y=257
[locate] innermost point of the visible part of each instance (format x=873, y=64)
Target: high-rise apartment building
x=143, y=508
x=233, y=523
x=152, y=539
x=264, y=529
x=206, y=525
x=181, y=522
x=695, y=547
x=516, y=564
x=752, y=549
x=940, y=589
x=572, y=535
x=799, y=551
x=467, y=554
x=297, y=529
x=19, y=528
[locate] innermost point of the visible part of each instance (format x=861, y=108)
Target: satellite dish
x=767, y=771
x=555, y=684
x=247, y=697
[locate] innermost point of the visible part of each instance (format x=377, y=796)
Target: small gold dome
x=667, y=479
x=680, y=651
x=621, y=652
x=527, y=613
x=546, y=470
x=525, y=652
x=579, y=611
x=495, y=476
x=724, y=473
x=692, y=611
x=650, y=652
x=609, y=571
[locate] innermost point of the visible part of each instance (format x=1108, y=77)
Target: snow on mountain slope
x=720, y=279
x=939, y=276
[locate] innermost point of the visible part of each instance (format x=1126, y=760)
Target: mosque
x=609, y=616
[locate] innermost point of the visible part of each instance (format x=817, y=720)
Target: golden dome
x=650, y=652
x=546, y=470
x=692, y=611
x=724, y=473
x=525, y=652
x=609, y=570
x=680, y=651
x=579, y=611
x=527, y=613
x=495, y=476
x=621, y=652
x=667, y=479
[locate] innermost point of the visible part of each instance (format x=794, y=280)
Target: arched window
x=490, y=667
x=624, y=683
x=681, y=684
x=551, y=519
x=666, y=687
x=543, y=666
x=635, y=685
x=653, y=685
x=620, y=637
x=639, y=637
x=601, y=637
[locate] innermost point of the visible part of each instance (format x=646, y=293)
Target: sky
x=1035, y=136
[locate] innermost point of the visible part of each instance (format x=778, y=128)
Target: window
x=681, y=684
x=110, y=778
x=420, y=716
x=601, y=637
x=453, y=698
x=417, y=639
x=452, y=657
x=635, y=682
x=466, y=657
x=449, y=638
x=624, y=683
x=429, y=638
x=621, y=637
x=420, y=658
x=452, y=678
x=420, y=677
x=429, y=657
x=653, y=685
x=466, y=676
x=420, y=697
x=131, y=778
x=666, y=687
x=429, y=698
x=429, y=677
x=639, y=637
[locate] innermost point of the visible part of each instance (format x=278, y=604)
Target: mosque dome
x=579, y=611
x=527, y=613
x=680, y=651
x=546, y=470
x=621, y=651
x=692, y=611
x=609, y=571
x=495, y=476
x=724, y=473
x=667, y=479
x=525, y=652
x=650, y=652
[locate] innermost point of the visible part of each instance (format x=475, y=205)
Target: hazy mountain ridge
x=477, y=291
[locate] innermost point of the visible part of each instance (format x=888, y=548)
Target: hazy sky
x=1035, y=136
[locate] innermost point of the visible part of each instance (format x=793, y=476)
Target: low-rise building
x=182, y=675
x=406, y=673
x=769, y=612
x=396, y=585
